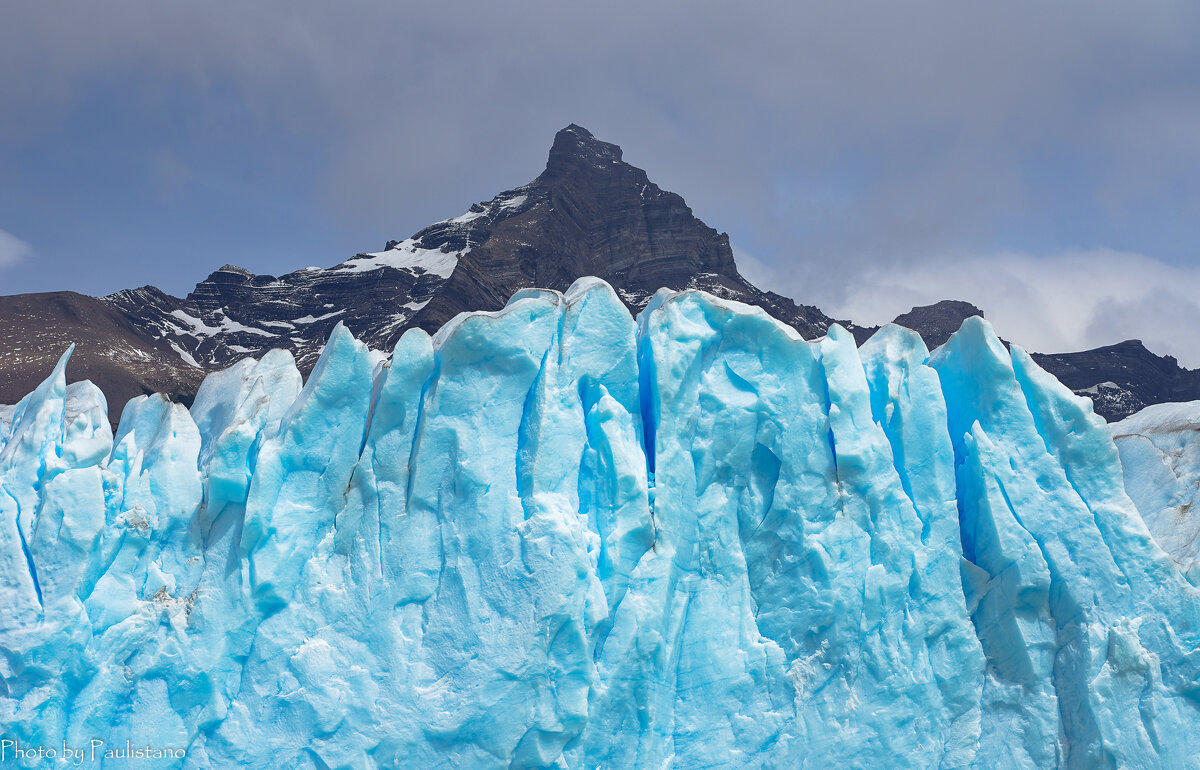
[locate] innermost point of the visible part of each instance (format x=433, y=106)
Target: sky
x=1039, y=160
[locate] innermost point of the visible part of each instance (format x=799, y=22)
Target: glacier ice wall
x=1160, y=456
x=554, y=536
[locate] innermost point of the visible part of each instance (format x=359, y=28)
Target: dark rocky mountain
x=591, y=213
x=1124, y=378
x=588, y=213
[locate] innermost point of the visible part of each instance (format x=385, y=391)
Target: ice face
x=1160, y=458
x=1082, y=616
x=554, y=536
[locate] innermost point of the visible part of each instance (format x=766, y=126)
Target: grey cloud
x=13, y=250
x=1048, y=303
x=833, y=140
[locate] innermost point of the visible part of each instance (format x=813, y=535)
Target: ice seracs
x=552, y=535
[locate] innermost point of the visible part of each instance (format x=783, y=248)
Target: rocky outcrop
x=590, y=213
x=1124, y=378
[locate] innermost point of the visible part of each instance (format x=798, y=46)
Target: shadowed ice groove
x=28, y=459
x=553, y=536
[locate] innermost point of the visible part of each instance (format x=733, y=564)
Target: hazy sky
x=1041, y=160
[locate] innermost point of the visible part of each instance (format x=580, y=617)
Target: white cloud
x=831, y=138
x=849, y=108
x=13, y=249
x=1062, y=302
x=752, y=268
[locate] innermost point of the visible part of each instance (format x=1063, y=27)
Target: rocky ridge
x=589, y=213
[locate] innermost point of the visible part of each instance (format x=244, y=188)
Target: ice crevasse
x=557, y=536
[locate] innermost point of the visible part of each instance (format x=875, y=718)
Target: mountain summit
x=589, y=213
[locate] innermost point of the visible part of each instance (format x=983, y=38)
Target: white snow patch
x=230, y=325
x=309, y=319
x=633, y=297
x=1095, y=389
x=183, y=353
x=406, y=255
x=199, y=328
x=470, y=216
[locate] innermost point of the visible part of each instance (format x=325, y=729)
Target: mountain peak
x=579, y=130
x=589, y=213
x=575, y=148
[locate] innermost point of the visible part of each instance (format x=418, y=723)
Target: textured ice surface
x=1160, y=455
x=554, y=536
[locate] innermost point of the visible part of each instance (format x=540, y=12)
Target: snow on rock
x=406, y=255
x=552, y=535
x=197, y=328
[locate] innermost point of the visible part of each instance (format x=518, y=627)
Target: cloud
x=839, y=143
x=1054, y=303
x=13, y=250
x=866, y=127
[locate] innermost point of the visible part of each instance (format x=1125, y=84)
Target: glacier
x=1160, y=457
x=558, y=536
